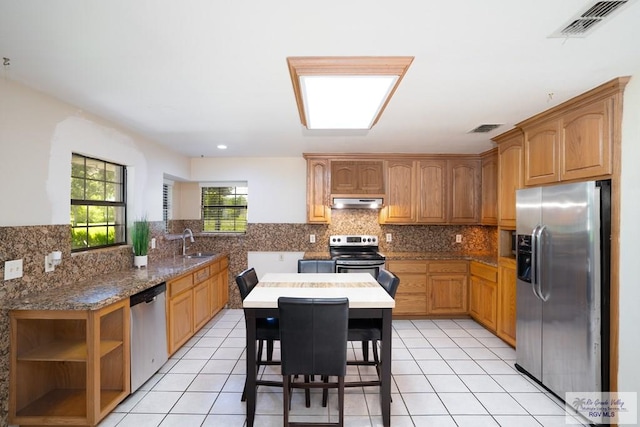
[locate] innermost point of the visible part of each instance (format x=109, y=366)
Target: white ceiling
x=191, y=74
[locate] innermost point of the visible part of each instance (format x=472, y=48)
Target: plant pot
x=140, y=260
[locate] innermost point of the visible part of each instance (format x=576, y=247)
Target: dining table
x=367, y=300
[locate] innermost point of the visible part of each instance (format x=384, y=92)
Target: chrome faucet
x=185, y=233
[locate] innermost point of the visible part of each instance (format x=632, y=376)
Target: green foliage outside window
x=97, y=203
x=224, y=209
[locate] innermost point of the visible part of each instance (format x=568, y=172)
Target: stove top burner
x=354, y=248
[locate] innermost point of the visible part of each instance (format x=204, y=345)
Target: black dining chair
x=313, y=341
x=370, y=330
x=316, y=266
x=266, y=329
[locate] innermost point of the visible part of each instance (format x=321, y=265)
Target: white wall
x=629, y=366
x=277, y=186
x=37, y=136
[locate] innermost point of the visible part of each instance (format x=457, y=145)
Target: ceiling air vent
x=584, y=22
x=485, y=128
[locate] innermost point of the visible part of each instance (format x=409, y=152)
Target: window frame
x=239, y=207
x=122, y=204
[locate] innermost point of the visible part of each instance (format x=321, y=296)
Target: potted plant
x=140, y=235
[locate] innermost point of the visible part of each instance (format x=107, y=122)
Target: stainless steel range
x=356, y=254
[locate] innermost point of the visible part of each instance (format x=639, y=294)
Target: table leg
x=385, y=376
x=250, y=318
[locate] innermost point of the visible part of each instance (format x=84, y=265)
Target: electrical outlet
x=280, y=257
x=153, y=243
x=458, y=238
x=389, y=237
x=312, y=238
x=13, y=269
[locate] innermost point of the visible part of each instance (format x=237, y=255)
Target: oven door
x=355, y=267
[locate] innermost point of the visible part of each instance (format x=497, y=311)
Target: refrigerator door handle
x=538, y=250
x=534, y=261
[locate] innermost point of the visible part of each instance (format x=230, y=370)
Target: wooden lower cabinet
x=506, y=327
x=68, y=367
x=430, y=287
x=483, y=295
x=193, y=299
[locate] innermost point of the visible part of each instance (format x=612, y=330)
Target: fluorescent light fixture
x=345, y=92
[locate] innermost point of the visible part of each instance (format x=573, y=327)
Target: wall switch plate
x=458, y=238
x=389, y=237
x=13, y=269
x=312, y=238
x=153, y=243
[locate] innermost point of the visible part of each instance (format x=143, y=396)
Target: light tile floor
x=445, y=373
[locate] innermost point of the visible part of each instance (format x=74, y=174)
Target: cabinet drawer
x=201, y=275
x=448, y=266
x=181, y=284
x=412, y=284
x=407, y=266
x=485, y=271
x=411, y=304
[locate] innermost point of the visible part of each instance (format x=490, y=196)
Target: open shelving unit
x=68, y=367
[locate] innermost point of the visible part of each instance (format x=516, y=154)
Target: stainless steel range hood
x=357, y=203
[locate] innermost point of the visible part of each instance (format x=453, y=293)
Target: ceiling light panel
x=345, y=92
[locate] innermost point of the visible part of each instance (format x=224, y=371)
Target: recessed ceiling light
x=221, y=146
x=345, y=92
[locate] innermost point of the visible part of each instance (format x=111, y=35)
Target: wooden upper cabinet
x=399, y=205
x=510, y=176
x=489, y=206
x=357, y=177
x=586, y=144
x=431, y=191
x=542, y=152
x=318, y=205
x=574, y=140
x=465, y=191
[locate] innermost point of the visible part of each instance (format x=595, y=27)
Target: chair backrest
x=388, y=281
x=246, y=281
x=316, y=266
x=313, y=335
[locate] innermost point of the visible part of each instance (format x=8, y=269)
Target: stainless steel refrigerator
x=563, y=241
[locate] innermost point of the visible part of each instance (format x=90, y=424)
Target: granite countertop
x=100, y=291
x=482, y=257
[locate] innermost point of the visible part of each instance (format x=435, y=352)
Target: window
x=98, y=207
x=167, y=196
x=224, y=209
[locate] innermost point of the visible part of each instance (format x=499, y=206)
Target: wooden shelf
x=66, y=351
x=58, y=403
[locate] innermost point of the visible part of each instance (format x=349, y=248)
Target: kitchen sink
x=200, y=255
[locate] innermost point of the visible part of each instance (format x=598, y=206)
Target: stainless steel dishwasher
x=148, y=334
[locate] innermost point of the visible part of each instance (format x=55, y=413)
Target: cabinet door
x=465, y=191
x=370, y=177
x=318, y=209
x=541, y=152
x=586, y=144
x=201, y=304
x=400, y=193
x=344, y=177
x=506, y=328
x=432, y=191
x=180, y=320
x=510, y=169
x=447, y=294
x=483, y=302
x=489, y=210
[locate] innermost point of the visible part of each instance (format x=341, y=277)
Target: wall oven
x=356, y=254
